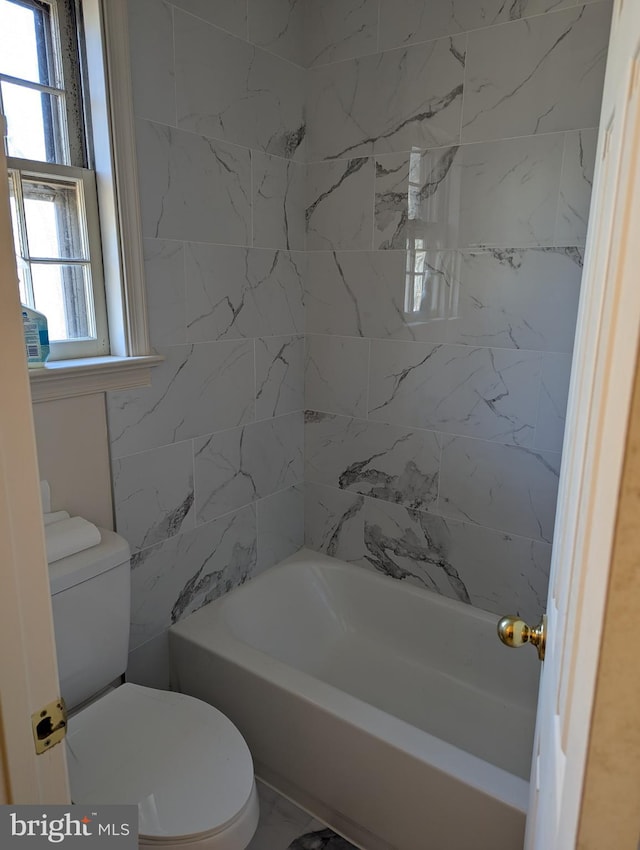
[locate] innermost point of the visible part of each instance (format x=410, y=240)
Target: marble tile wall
x=450, y=148
x=207, y=462
x=405, y=183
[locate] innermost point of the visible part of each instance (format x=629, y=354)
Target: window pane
x=24, y=39
x=63, y=294
x=21, y=263
x=35, y=124
x=52, y=214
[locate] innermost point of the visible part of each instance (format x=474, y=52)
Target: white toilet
x=182, y=761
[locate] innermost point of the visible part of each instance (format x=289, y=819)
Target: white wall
x=73, y=456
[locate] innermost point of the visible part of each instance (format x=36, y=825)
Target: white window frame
x=109, y=82
x=89, y=219
x=73, y=160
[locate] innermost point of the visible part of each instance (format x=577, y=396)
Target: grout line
x=255, y=380
x=441, y=447
x=463, y=346
x=540, y=385
x=430, y=513
x=440, y=435
x=185, y=290
x=329, y=159
x=453, y=143
x=409, y=45
x=464, y=87
x=193, y=474
x=367, y=408
x=243, y=38
x=252, y=198
x=559, y=194
x=175, y=75
x=373, y=203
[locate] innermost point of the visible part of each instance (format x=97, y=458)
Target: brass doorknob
x=514, y=632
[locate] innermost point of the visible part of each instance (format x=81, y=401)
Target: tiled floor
x=283, y=826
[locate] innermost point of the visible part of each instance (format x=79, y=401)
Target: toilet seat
x=184, y=763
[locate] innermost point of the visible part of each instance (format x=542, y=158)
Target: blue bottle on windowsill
x=36, y=337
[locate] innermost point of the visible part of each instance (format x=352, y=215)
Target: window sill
x=68, y=378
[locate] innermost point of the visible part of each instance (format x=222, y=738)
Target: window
x=52, y=186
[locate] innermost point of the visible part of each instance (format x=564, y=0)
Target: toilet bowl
x=181, y=760
x=183, y=763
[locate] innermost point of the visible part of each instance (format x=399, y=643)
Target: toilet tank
x=91, y=599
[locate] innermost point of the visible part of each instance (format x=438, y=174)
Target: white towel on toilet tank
x=69, y=536
x=45, y=496
x=56, y=516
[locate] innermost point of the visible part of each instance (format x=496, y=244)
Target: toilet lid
x=180, y=759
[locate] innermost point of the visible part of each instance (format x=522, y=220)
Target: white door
x=28, y=670
x=599, y=401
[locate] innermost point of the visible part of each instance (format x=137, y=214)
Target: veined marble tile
x=389, y=102
x=242, y=292
x=228, y=89
x=279, y=27
x=554, y=392
x=279, y=375
x=346, y=290
x=479, y=392
x=498, y=193
x=576, y=183
x=230, y=15
x=340, y=29
x=486, y=568
x=192, y=187
x=197, y=389
x=409, y=21
x=508, y=488
x=339, y=210
x=383, y=294
x=153, y=494
x=536, y=76
x=514, y=298
x=166, y=299
x=175, y=578
x=372, y=458
x=151, y=52
x=413, y=546
x=504, y=297
x=509, y=191
x=334, y=522
x=236, y=467
x=417, y=200
x=502, y=572
x=336, y=374
x=280, y=526
x=279, y=187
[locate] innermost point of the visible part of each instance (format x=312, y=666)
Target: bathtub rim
x=211, y=632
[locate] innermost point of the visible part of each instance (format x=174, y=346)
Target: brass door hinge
x=49, y=725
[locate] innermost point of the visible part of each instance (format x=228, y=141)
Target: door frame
x=610, y=808
x=28, y=665
x=597, y=452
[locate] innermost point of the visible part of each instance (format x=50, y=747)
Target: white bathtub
x=393, y=714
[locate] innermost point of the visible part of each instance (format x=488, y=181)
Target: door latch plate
x=49, y=725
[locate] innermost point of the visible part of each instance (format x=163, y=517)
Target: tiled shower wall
x=208, y=461
x=445, y=175
x=451, y=147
